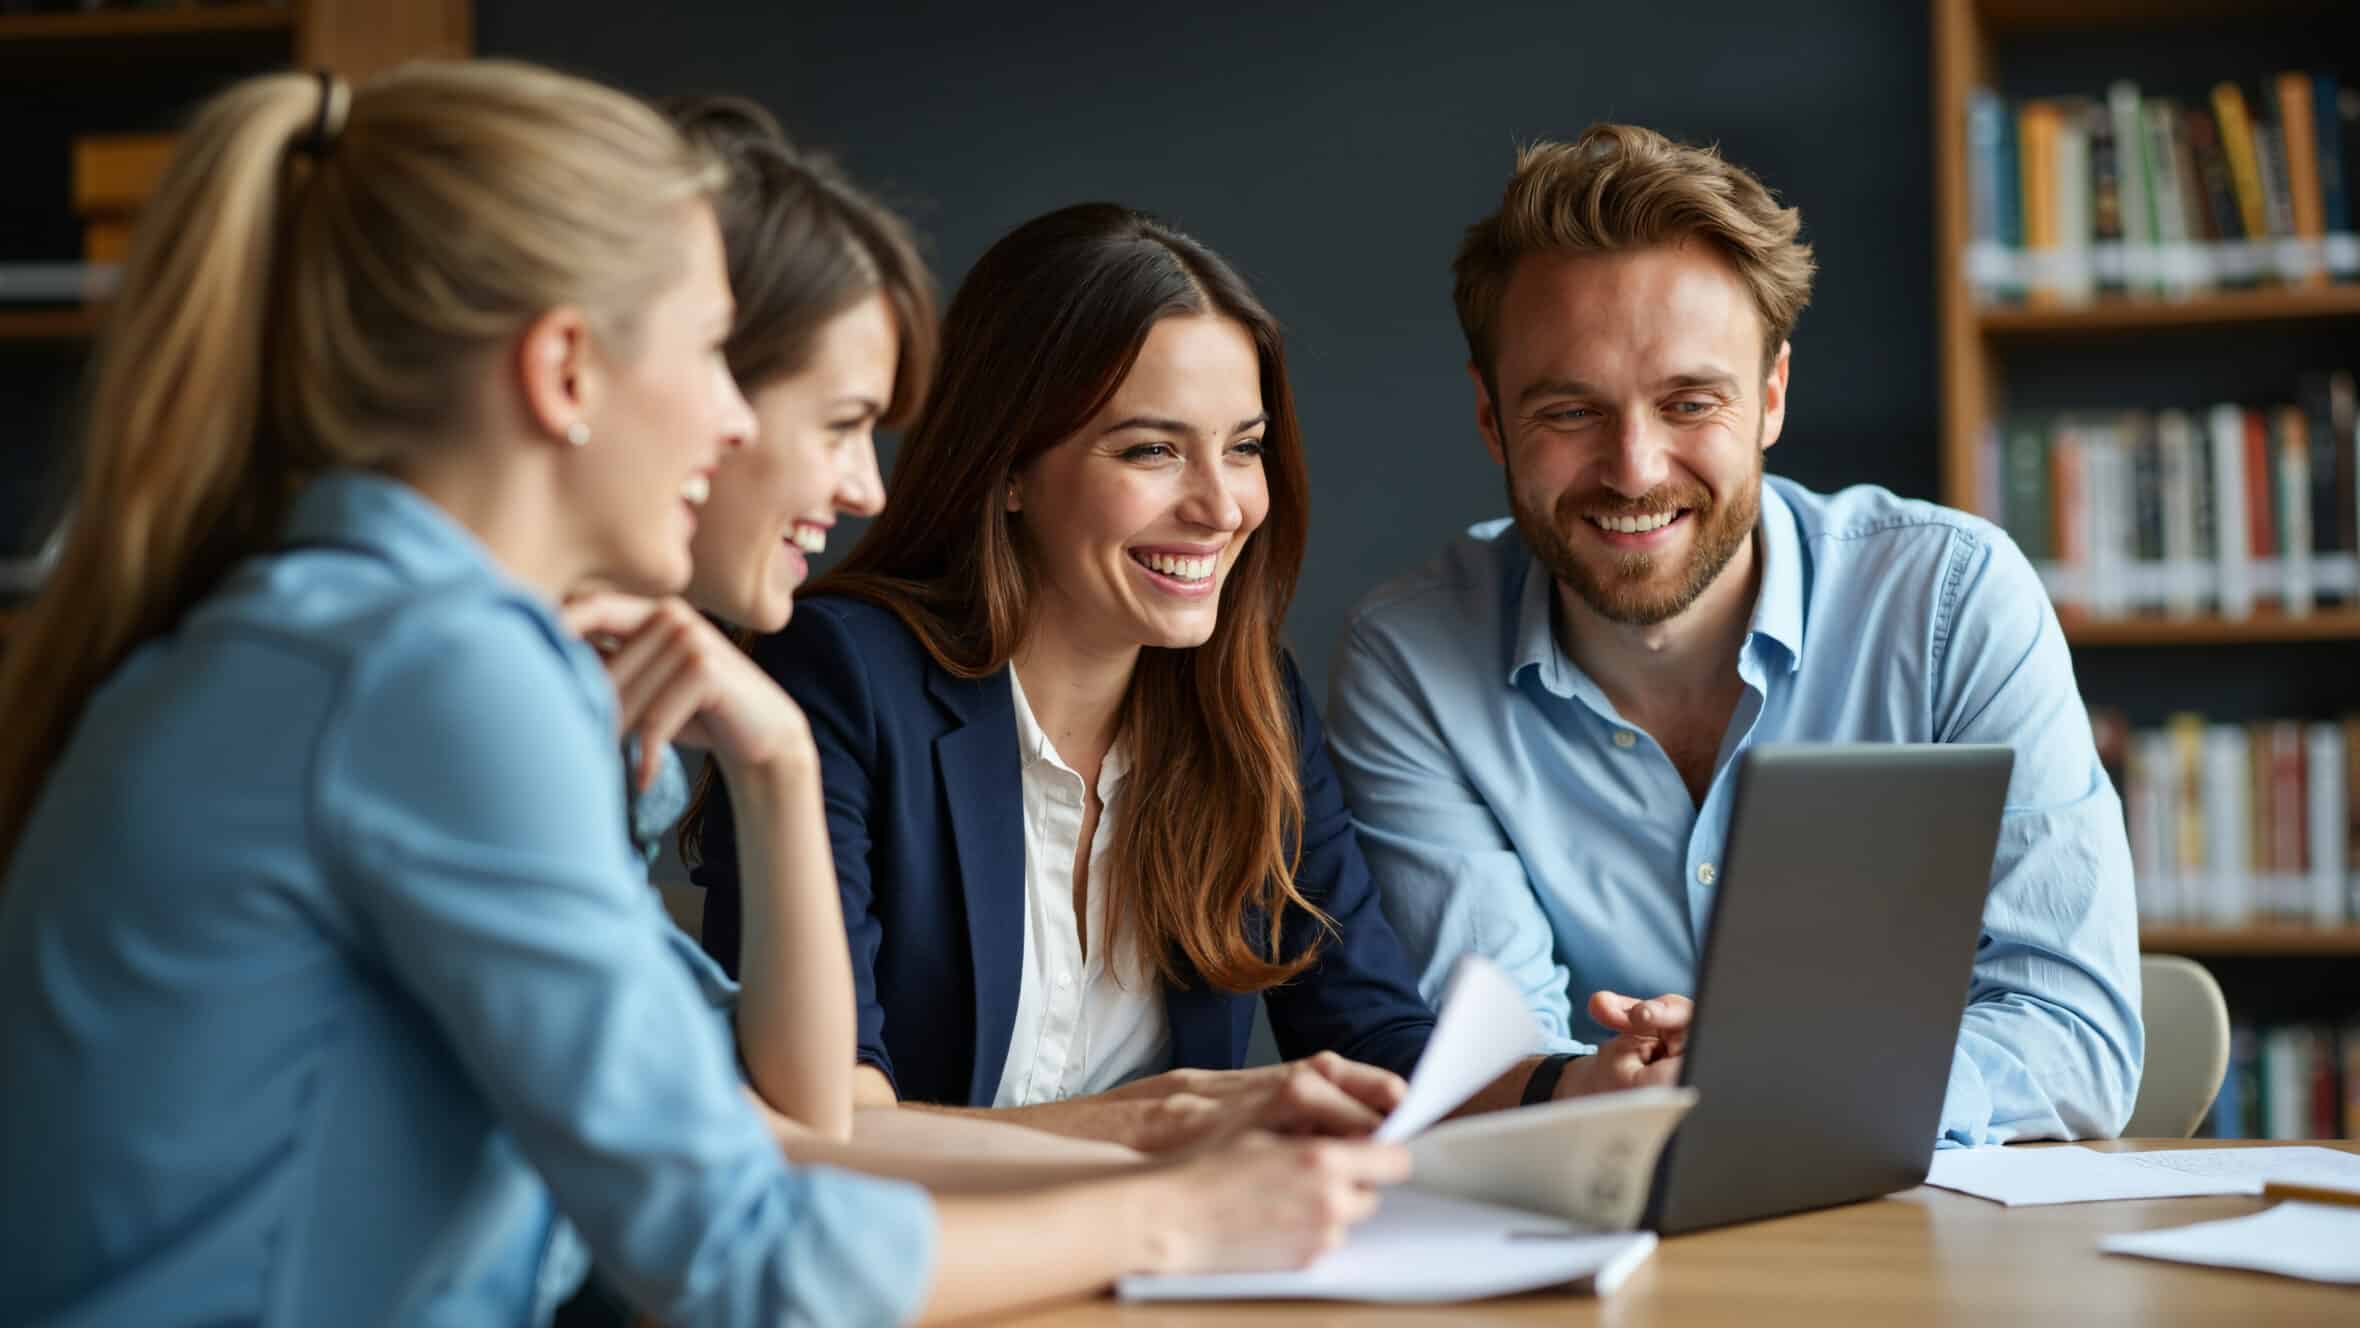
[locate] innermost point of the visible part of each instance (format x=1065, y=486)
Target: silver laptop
x=1836, y=965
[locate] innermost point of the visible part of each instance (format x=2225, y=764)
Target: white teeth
x=1634, y=525
x=810, y=539
x=696, y=489
x=1180, y=569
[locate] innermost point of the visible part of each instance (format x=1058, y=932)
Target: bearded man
x=1539, y=730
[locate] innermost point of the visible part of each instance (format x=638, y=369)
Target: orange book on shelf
x=106, y=240
x=2295, y=101
x=2261, y=533
x=115, y=173
x=2036, y=161
x=2245, y=173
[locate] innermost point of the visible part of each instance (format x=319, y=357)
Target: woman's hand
x=677, y=677
x=1262, y=1202
x=1318, y=1095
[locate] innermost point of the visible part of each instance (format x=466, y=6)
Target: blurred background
x=2063, y=282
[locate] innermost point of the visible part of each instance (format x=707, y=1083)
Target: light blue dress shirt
x=1506, y=808
x=330, y=979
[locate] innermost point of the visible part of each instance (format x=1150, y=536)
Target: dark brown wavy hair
x=1037, y=340
x=803, y=244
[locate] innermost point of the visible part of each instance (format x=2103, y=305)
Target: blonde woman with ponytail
x=330, y=986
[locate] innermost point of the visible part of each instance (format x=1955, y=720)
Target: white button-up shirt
x=1078, y=1030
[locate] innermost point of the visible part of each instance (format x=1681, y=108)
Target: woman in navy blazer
x=1076, y=597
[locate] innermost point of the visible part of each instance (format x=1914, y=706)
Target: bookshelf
x=2255, y=941
x=2001, y=361
x=176, y=21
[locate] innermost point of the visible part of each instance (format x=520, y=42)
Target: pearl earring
x=578, y=433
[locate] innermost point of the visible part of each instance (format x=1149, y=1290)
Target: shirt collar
x=1032, y=743
x=1778, y=602
x=357, y=509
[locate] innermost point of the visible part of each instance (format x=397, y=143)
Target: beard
x=1640, y=589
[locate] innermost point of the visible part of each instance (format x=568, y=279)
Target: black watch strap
x=1543, y=1084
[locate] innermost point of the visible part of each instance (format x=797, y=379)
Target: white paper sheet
x=1423, y=1247
x=2020, y=1177
x=2320, y=1242
x=1484, y=1028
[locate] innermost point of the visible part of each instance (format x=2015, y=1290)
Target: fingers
x=1613, y=1010
x=1307, y=1102
x=606, y=613
x=1379, y=1089
x=1664, y=1016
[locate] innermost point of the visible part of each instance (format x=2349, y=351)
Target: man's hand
x=1650, y=1037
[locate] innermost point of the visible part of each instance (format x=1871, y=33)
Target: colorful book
x=2305, y=207
x=2231, y=509
x=2237, y=142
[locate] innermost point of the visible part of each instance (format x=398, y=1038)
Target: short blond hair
x=1618, y=188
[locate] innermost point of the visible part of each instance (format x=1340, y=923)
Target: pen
x=2279, y=1189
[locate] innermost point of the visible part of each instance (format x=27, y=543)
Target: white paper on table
x=1484, y=1028
x=1422, y=1247
x=2320, y=1242
x=2299, y=1165
x=2021, y=1177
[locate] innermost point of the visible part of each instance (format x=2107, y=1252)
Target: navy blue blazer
x=925, y=804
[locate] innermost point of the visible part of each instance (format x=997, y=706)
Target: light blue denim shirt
x=1506, y=808
x=330, y=979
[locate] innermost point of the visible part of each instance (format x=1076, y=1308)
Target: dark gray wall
x=1334, y=154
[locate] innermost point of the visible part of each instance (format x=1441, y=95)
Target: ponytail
x=296, y=299
x=174, y=487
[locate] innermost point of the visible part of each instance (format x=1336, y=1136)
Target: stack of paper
x=2026, y=1176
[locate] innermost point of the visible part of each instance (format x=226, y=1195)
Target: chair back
x=2187, y=1047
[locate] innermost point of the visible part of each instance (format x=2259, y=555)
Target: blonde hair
x=1620, y=187
x=296, y=300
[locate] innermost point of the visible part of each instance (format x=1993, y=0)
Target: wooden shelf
x=71, y=324
x=105, y=25
x=2261, y=939
x=2273, y=305
x=2062, y=15
x=2268, y=623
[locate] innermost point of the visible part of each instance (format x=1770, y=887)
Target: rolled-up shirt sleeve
x=471, y=801
x=2051, y=1045
x=1449, y=879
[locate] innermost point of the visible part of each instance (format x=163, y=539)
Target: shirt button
x=1705, y=873
x=1623, y=738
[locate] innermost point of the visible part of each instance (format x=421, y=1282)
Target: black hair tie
x=335, y=101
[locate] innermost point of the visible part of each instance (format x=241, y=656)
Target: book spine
x=2133, y=198
x=2237, y=143
x=2327, y=488
x=2335, y=202
x=2108, y=258
x=2076, y=278
x=2147, y=808
x=2191, y=818
x=2177, y=266
x=2305, y=207
x=2227, y=806
x=2232, y=544
x=2027, y=507
x=2351, y=728
x=2150, y=570
x=1990, y=261
x=2177, y=478
x=2289, y=853
x=2294, y=510
x=2325, y=762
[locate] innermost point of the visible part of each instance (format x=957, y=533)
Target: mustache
x=1662, y=500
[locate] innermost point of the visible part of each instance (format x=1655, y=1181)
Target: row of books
x=2234, y=824
x=2289, y=1082
x=2069, y=197
x=2185, y=512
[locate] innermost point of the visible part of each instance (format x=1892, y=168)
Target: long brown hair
x=302, y=294
x=1037, y=340
x=803, y=244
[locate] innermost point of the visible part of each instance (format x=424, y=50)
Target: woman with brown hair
x=1081, y=810
x=329, y=984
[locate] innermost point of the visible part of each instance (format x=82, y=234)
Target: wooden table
x=1921, y=1258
